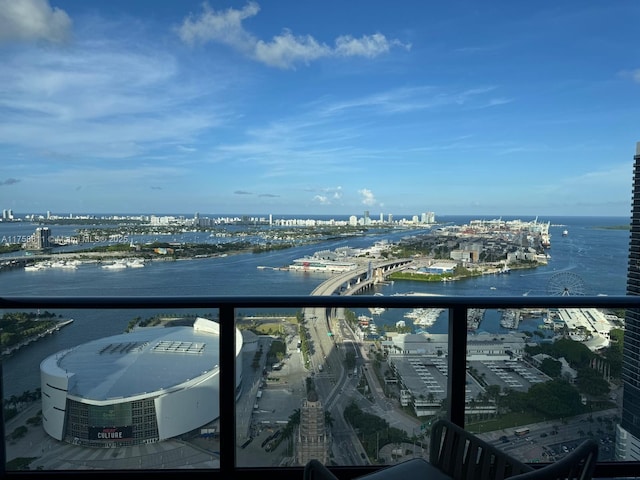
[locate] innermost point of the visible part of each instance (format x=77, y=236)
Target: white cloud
x=29, y=20
x=184, y=148
x=410, y=99
x=124, y=102
x=286, y=50
x=634, y=75
x=329, y=196
x=367, y=197
x=282, y=51
x=368, y=46
x=224, y=27
x=498, y=101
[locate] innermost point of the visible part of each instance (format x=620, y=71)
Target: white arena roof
x=141, y=362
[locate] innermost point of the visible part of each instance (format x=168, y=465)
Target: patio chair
x=457, y=454
x=460, y=454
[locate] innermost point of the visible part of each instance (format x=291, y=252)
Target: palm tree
x=328, y=419
x=294, y=418
x=294, y=421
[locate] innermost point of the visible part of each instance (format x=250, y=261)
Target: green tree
x=576, y=353
x=551, y=367
x=328, y=419
x=556, y=398
x=590, y=382
x=613, y=354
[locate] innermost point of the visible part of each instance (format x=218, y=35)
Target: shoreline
x=7, y=352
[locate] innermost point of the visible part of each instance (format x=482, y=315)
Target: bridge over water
x=360, y=279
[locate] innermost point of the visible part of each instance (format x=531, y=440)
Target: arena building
x=140, y=387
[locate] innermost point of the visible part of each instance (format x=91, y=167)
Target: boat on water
x=510, y=319
x=565, y=233
x=377, y=310
x=117, y=265
x=315, y=264
x=424, y=316
x=67, y=264
x=474, y=318
x=34, y=268
x=135, y=263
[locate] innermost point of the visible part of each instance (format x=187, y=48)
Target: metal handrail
x=229, y=305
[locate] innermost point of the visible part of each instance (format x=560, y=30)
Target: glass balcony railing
x=224, y=386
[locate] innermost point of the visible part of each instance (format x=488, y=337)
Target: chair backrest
x=462, y=455
x=576, y=465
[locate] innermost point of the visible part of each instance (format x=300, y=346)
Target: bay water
x=595, y=253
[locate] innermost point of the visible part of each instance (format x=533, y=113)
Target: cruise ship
x=314, y=264
x=545, y=236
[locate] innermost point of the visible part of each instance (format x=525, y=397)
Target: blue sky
x=331, y=107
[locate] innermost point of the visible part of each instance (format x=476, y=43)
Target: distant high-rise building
x=390, y=218
x=381, y=217
x=48, y=214
x=353, y=220
x=313, y=438
x=428, y=217
x=40, y=239
x=628, y=432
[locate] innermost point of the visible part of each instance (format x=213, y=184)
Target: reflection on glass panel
x=544, y=380
x=337, y=385
x=111, y=389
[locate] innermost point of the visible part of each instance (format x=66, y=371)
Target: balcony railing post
x=227, y=394
x=457, y=346
x=457, y=364
x=3, y=446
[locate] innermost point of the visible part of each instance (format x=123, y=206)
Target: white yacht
x=135, y=263
x=117, y=265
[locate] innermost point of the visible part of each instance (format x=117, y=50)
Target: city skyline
x=330, y=109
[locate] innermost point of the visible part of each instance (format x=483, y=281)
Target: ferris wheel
x=565, y=284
